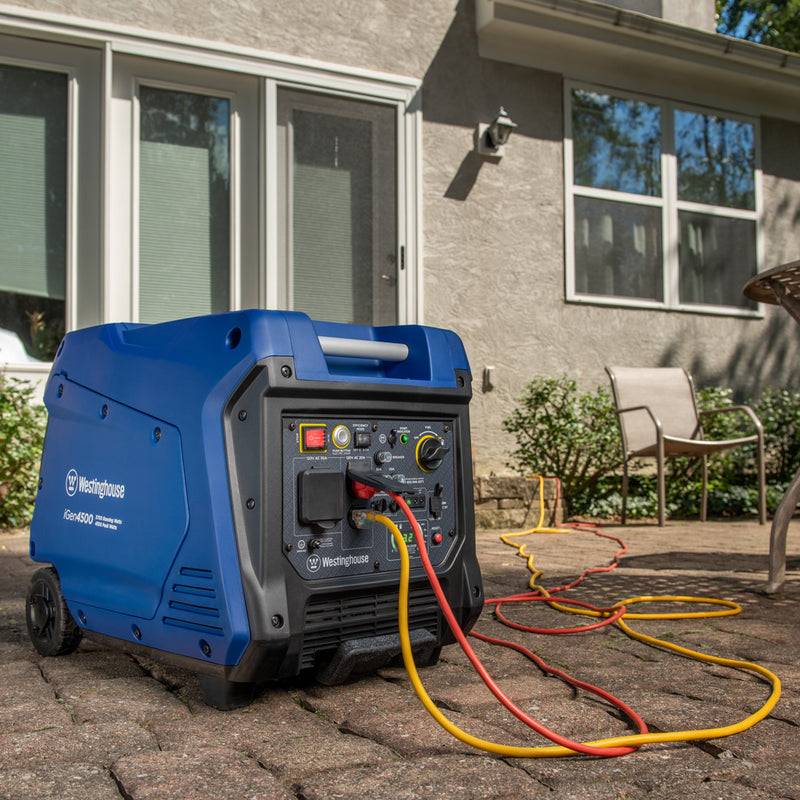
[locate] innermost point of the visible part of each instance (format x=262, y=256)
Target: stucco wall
x=390, y=35
x=493, y=232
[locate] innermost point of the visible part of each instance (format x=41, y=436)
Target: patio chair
x=658, y=418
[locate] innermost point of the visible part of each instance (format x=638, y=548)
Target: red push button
x=437, y=538
x=312, y=438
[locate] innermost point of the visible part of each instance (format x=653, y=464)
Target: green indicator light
x=403, y=438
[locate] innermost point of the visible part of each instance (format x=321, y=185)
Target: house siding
x=493, y=232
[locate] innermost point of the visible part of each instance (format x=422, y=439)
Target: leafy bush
x=22, y=427
x=574, y=435
x=732, y=479
x=563, y=432
x=779, y=412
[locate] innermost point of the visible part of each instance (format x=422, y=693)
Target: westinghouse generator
x=197, y=486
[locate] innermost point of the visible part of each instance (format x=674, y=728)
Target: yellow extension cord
x=633, y=740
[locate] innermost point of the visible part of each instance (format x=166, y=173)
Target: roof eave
x=585, y=40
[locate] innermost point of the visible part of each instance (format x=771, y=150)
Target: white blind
x=175, y=264
x=25, y=265
x=184, y=205
x=323, y=242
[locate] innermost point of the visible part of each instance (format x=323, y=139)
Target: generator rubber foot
x=358, y=656
x=226, y=695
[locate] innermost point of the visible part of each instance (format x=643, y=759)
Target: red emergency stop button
x=313, y=439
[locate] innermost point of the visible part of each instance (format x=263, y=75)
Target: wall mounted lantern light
x=491, y=138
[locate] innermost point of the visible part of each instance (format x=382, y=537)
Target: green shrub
x=564, y=432
x=22, y=427
x=779, y=412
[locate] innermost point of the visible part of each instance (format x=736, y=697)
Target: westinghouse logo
x=72, y=483
x=100, y=488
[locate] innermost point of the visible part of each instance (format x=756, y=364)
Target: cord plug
x=362, y=479
x=359, y=518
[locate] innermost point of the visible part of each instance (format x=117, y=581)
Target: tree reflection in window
x=616, y=143
x=716, y=160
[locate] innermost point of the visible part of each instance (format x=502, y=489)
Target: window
x=50, y=218
x=184, y=204
x=662, y=203
x=33, y=212
x=185, y=214
x=339, y=189
x=716, y=168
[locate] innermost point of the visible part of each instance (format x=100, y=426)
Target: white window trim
x=668, y=202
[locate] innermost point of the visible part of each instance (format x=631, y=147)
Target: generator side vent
x=193, y=602
x=330, y=620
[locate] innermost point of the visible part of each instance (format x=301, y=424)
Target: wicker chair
x=658, y=417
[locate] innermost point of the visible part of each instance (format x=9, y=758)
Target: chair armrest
x=656, y=420
x=746, y=410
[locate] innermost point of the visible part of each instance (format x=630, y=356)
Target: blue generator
x=197, y=483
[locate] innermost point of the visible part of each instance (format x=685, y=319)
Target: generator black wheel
x=51, y=627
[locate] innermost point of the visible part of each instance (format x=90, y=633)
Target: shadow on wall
x=462, y=89
x=465, y=177
x=766, y=356
x=788, y=211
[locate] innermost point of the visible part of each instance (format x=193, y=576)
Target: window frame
x=83, y=227
x=276, y=291
x=668, y=202
x=235, y=191
x=123, y=170
x=323, y=103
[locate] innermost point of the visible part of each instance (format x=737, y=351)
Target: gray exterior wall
x=493, y=232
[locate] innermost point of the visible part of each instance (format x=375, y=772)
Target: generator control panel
x=323, y=457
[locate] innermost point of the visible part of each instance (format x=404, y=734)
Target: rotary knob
x=431, y=452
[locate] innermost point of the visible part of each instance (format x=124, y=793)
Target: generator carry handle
x=403, y=354
x=363, y=348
